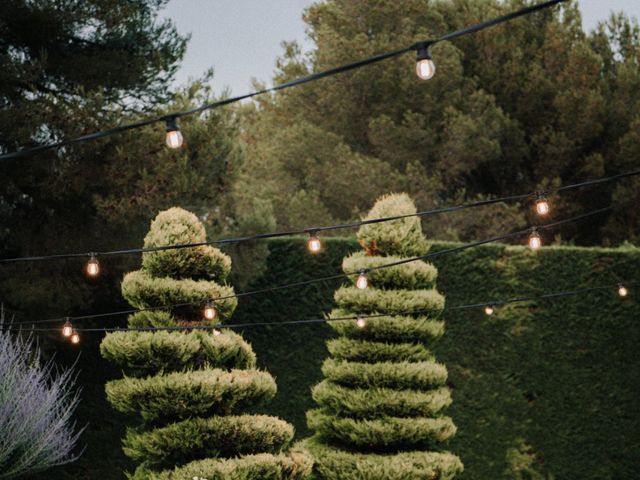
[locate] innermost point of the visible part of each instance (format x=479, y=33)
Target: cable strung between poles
x=311, y=230
x=311, y=281
x=495, y=303
x=299, y=81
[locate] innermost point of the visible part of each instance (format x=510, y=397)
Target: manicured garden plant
x=36, y=407
x=189, y=386
x=381, y=403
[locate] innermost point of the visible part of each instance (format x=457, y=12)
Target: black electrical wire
x=313, y=230
x=493, y=303
x=309, y=78
x=337, y=276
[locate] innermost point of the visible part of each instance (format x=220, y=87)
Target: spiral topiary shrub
x=190, y=385
x=381, y=404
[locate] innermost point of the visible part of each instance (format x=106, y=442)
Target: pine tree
x=189, y=386
x=380, y=405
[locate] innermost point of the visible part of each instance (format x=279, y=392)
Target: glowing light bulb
x=216, y=332
x=313, y=244
x=623, y=291
x=174, y=137
x=93, y=266
x=67, y=329
x=75, y=337
x=542, y=205
x=360, y=322
x=209, y=311
x=488, y=310
x=425, y=68
x=362, y=282
x=535, y=240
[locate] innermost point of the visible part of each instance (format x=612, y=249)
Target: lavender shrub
x=36, y=405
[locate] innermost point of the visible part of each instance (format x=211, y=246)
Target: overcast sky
x=241, y=39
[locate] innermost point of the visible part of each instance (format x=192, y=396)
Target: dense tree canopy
x=529, y=104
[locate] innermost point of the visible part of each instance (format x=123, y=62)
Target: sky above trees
x=241, y=40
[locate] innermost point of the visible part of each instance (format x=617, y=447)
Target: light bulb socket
x=422, y=52
x=172, y=125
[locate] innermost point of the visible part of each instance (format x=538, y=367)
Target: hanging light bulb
x=623, y=291
x=362, y=282
x=425, y=68
x=174, y=136
x=488, y=310
x=75, y=336
x=313, y=244
x=535, y=240
x=209, y=311
x=93, y=266
x=67, y=328
x=542, y=205
x=360, y=322
x=216, y=332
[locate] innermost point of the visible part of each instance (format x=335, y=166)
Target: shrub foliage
x=189, y=386
x=381, y=403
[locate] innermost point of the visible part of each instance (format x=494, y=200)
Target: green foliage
x=385, y=374
x=175, y=226
x=373, y=352
x=295, y=466
x=400, y=237
x=142, y=290
x=412, y=275
x=531, y=103
x=372, y=300
x=560, y=375
x=342, y=465
x=197, y=438
x=183, y=394
x=377, y=402
x=144, y=353
x=396, y=328
x=185, y=385
x=383, y=393
x=71, y=68
x=384, y=434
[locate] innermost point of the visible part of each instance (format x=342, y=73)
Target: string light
x=174, y=136
x=291, y=83
x=542, y=205
x=425, y=68
x=313, y=243
x=360, y=322
x=278, y=234
x=546, y=296
x=93, y=266
x=75, y=337
x=216, y=332
x=67, y=329
x=209, y=311
x=488, y=310
x=362, y=282
x=622, y=291
x=535, y=240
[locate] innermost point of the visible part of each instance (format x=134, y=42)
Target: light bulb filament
x=535, y=240
x=362, y=282
x=93, y=266
x=313, y=243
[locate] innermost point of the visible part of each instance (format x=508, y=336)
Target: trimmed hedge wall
x=545, y=389
x=538, y=389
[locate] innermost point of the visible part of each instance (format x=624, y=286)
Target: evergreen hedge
x=187, y=387
x=362, y=419
x=540, y=389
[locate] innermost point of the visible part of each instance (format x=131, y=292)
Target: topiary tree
x=380, y=405
x=189, y=385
